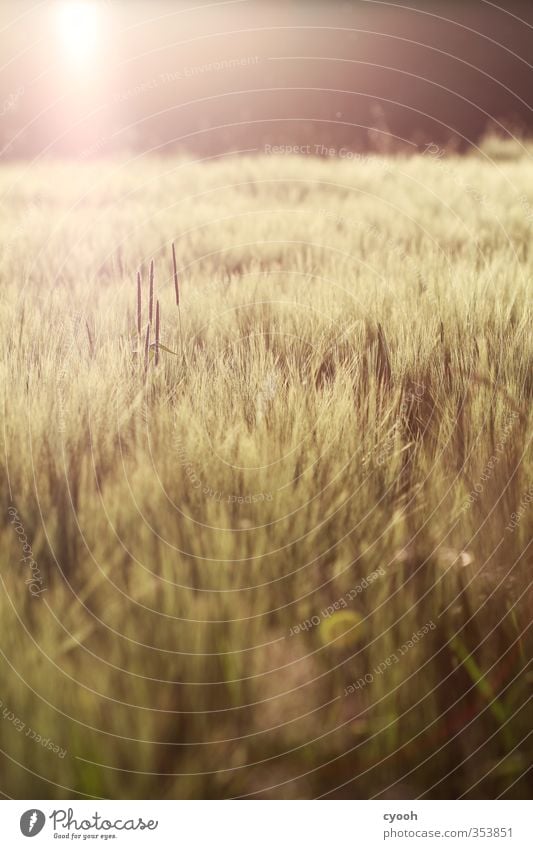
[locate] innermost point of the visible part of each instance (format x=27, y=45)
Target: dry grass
x=356, y=362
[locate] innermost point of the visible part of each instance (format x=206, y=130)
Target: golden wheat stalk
x=91, y=339
x=176, y=283
x=177, y=291
x=383, y=361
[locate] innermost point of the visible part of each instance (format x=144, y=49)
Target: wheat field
x=290, y=559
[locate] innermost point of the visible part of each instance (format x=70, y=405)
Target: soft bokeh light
x=80, y=26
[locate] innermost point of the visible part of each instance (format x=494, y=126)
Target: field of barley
x=286, y=553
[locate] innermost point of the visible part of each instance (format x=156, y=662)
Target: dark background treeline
x=216, y=77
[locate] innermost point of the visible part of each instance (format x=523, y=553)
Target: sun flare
x=80, y=26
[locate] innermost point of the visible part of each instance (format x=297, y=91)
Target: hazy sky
x=89, y=78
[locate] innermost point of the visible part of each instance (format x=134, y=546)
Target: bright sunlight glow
x=80, y=30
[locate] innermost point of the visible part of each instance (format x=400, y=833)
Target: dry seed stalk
x=147, y=346
x=139, y=303
x=157, y=314
x=151, y=304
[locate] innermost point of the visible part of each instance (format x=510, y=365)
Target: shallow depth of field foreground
x=290, y=559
